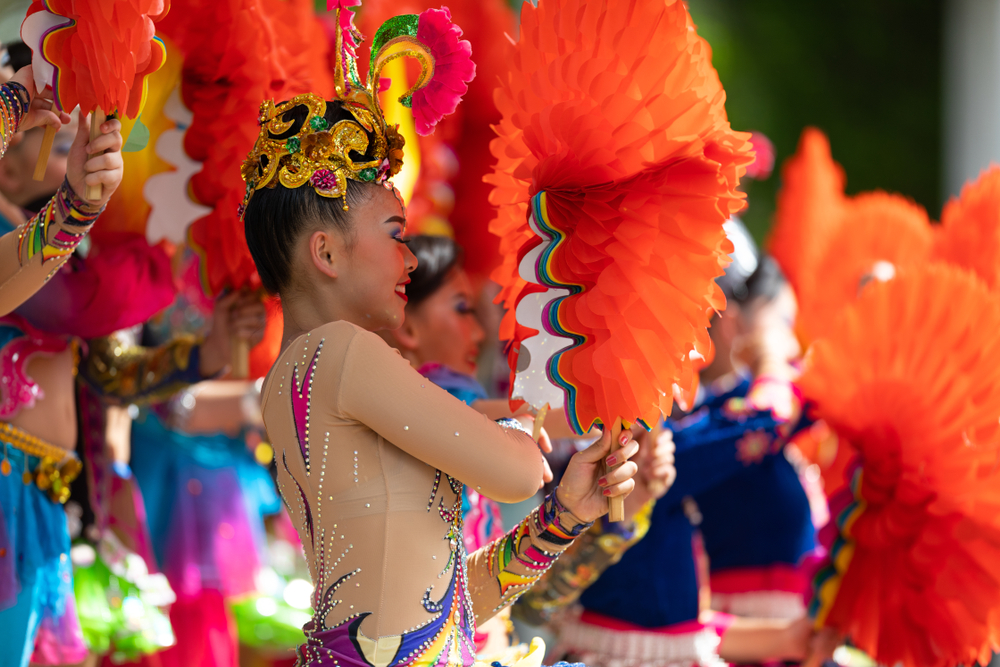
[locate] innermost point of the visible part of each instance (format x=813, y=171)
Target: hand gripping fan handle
x=616, y=505
x=95, y=192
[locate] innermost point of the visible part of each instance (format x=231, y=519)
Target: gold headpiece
x=299, y=146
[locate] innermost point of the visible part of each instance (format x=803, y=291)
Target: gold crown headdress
x=293, y=150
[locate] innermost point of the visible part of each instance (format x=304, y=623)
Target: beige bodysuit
x=371, y=458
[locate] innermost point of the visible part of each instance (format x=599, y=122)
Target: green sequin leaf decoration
x=405, y=24
x=293, y=145
x=318, y=123
x=368, y=175
x=406, y=101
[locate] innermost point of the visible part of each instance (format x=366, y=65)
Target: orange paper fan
x=910, y=375
x=877, y=235
x=809, y=202
x=614, y=130
x=969, y=235
x=95, y=54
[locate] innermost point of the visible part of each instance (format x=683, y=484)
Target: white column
x=971, y=90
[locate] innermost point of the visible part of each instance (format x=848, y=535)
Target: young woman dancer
x=371, y=455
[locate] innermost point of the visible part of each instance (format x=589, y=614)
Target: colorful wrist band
x=34, y=237
x=548, y=520
x=76, y=211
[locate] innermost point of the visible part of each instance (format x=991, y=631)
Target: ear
x=407, y=337
x=324, y=252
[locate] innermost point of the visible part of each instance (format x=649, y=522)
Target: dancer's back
x=348, y=418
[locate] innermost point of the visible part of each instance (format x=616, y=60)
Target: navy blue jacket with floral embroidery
x=714, y=447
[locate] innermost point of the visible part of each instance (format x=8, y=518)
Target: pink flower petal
x=453, y=69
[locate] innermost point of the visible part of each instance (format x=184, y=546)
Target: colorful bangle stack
x=14, y=102
x=75, y=210
x=549, y=522
x=34, y=237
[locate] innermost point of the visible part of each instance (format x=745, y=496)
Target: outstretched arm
x=34, y=251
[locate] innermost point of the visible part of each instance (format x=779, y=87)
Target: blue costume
x=655, y=586
x=757, y=529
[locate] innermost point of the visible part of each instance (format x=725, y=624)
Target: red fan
x=910, y=376
x=95, y=55
x=875, y=236
x=969, y=235
x=616, y=169
x=809, y=203
x=237, y=53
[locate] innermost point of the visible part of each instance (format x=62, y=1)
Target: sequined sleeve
x=33, y=252
x=580, y=566
x=131, y=373
x=504, y=570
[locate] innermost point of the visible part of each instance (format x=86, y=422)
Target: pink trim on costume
x=602, y=621
x=719, y=621
x=17, y=387
x=781, y=577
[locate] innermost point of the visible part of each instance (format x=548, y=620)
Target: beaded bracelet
x=76, y=211
x=14, y=102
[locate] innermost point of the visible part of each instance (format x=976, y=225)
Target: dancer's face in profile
x=371, y=264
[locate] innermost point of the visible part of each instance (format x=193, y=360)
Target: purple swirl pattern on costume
x=449, y=632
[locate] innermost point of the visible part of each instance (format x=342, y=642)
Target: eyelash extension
x=404, y=241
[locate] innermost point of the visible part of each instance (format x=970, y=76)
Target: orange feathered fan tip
x=95, y=54
x=614, y=112
x=970, y=228
x=876, y=236
x=812, y=192
x=910, y=375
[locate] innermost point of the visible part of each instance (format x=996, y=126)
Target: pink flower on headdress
x=453, y=69
x=324, y=179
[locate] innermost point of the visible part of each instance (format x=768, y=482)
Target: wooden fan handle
x=240, y=358
x=95, y=192
x=616, y=505
x=43, y=153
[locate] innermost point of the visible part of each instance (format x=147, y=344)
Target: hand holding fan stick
x=616, y=505
x=93, y=59
x=95, y=192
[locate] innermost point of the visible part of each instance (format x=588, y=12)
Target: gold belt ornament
x=56, y=469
